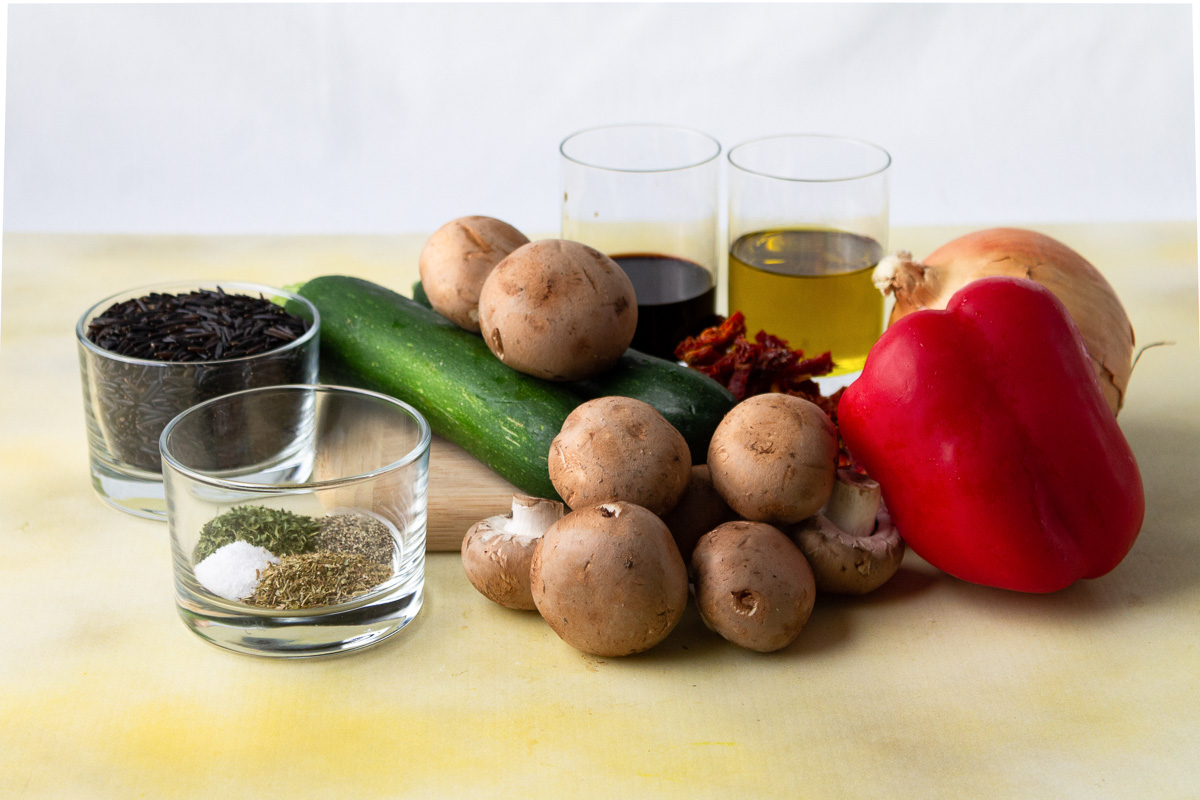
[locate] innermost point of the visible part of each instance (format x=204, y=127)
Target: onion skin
x=1089, y=298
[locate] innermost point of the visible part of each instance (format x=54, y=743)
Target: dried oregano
x=281, y=532
x=317, y=579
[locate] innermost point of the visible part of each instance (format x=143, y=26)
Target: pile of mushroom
x=456, y=261
x=611, y=577
x=760, y=529
x=554, y=309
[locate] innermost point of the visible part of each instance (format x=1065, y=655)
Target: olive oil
x=812, y=287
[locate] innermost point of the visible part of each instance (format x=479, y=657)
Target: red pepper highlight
x=999, y=459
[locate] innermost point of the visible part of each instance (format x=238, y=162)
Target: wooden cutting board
x=462, y=491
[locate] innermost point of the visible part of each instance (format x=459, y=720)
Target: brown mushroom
x=619, y=448
x=457, y=259
x=699, y=511
x=753, y=586
x=497, y=551
x=609, y=580
x=558, y=310
x=773, y=458
x=852, y=545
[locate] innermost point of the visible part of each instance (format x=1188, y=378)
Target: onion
x=1090, y=300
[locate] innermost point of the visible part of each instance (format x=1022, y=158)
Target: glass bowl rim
x=141, y=291
x=659, y=125
x=422, y=446
x=887, y=157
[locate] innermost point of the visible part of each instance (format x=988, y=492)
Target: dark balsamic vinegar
x=676, y=299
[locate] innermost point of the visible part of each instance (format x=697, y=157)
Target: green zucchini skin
x=384, y=341
x=691, y=401
x=419, y=296
x=694, y=403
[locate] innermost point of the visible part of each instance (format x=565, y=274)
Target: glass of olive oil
x=808, y=222
x=646, y=196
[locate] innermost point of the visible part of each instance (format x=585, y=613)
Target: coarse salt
x=233, y=571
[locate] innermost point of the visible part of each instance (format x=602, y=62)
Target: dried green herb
x=317, y=579
x=281, y=532
x=356, y=533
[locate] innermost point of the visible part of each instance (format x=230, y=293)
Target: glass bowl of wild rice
x=150, y=353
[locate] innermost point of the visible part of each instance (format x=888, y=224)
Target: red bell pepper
x=986, y=427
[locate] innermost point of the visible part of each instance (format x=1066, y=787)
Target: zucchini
x=419, y=296
x=691, y=401
x=387, y=342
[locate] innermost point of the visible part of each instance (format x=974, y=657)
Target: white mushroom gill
x=529, y=519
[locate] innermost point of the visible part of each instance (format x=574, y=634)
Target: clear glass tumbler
x=808, y=222
x=297, y=518
x=646, y=196
x=128, y=401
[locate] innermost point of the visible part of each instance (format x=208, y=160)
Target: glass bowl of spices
x=297, y=518
x=147, y=354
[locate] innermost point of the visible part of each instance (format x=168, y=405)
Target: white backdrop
x=396, y=118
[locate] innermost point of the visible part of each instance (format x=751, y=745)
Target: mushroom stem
x=531, y=516
x=845, y=564
x=497, y=551
x=854, y=503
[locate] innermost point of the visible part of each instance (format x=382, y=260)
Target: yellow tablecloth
x=929, y=688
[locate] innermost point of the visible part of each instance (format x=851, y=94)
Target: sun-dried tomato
x=750, y=367
x=766, y=364
x=707, y=348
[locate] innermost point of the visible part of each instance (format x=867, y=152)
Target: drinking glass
x=328, y=454
x=128, y=401
x=808, y=222
x=646, y=195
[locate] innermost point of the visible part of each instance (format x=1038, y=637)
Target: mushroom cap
x=846, y=564
x=457, y=259
x=698, y=511
x=558, y=310
x=773, y=458
x=619, y=448
x=609, y=580
x=753, y=585
x=497, y=564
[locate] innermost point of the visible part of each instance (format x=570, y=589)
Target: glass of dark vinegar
x=646, y=196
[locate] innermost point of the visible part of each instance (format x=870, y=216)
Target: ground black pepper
x=356, y=533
